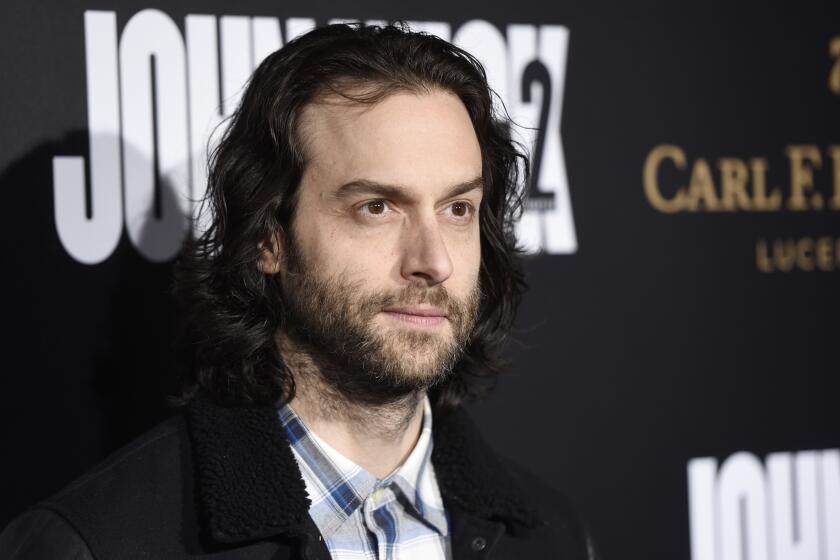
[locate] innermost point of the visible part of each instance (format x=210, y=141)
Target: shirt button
x=479, y=544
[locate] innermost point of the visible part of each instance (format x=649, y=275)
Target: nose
x=425, y=256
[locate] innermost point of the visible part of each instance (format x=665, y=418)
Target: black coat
x=220, y=482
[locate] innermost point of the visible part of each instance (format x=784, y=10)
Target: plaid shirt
x=360, y=517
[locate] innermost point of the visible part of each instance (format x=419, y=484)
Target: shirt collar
x=337, y=486
x=415, y=478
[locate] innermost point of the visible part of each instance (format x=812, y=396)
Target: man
x=352, y=290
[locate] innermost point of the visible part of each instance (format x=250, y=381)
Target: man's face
x=381, y=277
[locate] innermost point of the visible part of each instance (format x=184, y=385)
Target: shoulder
x=134, y=490
x=540, y=521
x=42, y=534
x=148, y=461
x=557, y=514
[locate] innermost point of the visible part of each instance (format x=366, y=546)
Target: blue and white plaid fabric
x=398, y=518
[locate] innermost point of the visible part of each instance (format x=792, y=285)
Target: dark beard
x=332, y=321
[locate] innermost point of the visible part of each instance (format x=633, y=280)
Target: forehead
x=422, y=140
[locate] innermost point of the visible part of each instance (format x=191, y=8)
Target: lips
x=419, y=316
x=418, y=311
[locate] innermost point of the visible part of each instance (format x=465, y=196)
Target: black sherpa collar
x=250, y=486
x=470, y=474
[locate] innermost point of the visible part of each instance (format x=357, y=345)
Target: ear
x=271, y=255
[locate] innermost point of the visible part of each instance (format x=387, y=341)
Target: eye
x=461, y=210
x=374, y=208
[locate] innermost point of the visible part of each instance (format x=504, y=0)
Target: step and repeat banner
x=675, y=365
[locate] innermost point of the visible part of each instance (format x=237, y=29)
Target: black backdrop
x=657, y=337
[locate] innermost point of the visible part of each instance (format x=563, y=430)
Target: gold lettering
x=834, y=76
x=733, y=184
x=834, y=154
x=801, y=174
x=805, y=254
x=758, y=168
x=784, y=254
x=825, y=260
x=762, y=259
x=701, y=188
x=651, y=181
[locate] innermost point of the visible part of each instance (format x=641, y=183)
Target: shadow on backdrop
x=91, y=354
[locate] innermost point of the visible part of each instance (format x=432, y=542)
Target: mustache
x=413, y=295
x=437, y=296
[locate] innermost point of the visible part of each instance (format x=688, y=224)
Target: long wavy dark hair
x=232, y=311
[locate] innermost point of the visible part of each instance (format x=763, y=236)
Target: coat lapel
x=471, y=475
x=249, y=483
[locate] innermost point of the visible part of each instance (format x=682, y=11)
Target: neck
x=377, y=437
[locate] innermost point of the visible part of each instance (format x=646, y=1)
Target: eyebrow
x=399, y=192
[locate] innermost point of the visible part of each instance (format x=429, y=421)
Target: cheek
x=466, y=257
x=357, y=258
x=316, y=241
